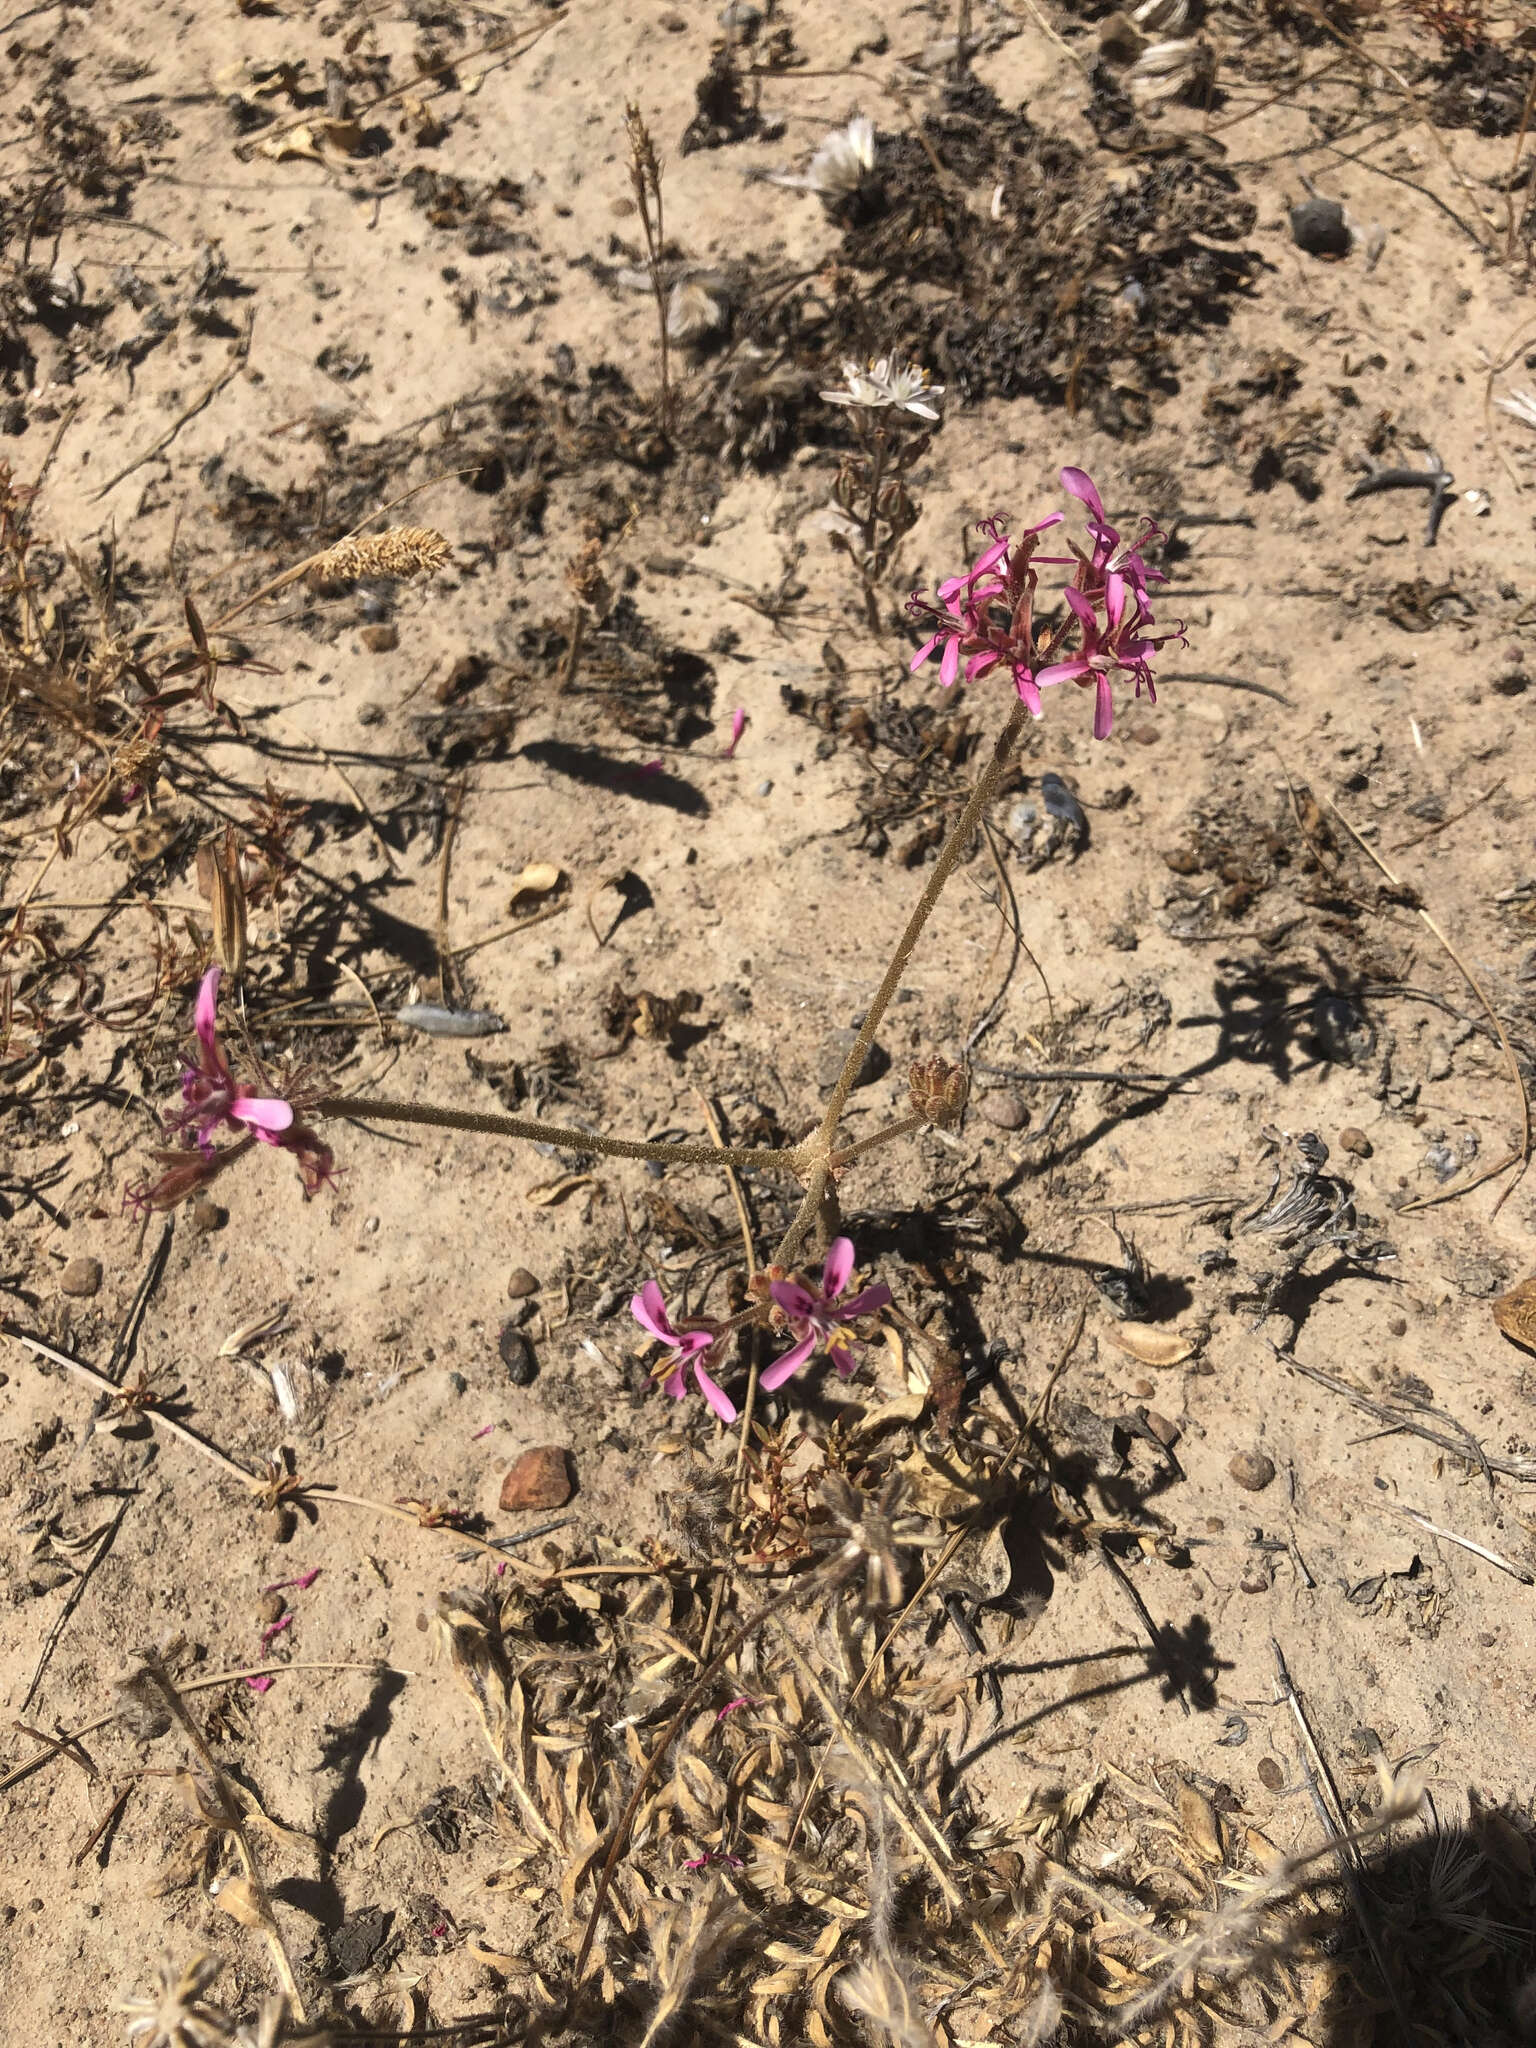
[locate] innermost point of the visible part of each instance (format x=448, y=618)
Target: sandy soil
x=268, y=337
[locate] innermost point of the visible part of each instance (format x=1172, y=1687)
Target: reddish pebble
x=541, y=1478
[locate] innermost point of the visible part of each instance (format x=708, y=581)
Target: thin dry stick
x=230, y=1812
x=1520, y=1157
x=1511, y=181
x=1492, y=1557
x=237, y=360
x=668, y=1736
x=945, y=1557
x=445, y=860
x=1335, y=1823
x=60, y=1745
x=77, y=1593
x=829, y=1707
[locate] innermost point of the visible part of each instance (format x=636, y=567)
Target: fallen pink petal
x=262, y=1681
x=274, y=1629
x=738, y=727
x=301, y=1584
x=482, y=1432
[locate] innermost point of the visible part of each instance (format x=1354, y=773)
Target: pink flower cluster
x=812, y=1317
x=985, y=618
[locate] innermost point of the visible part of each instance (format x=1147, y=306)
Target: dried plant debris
x=1055, y=286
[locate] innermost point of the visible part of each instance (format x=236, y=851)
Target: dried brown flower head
x=876, y=1528
x=937, y=1090
x=177, y=2015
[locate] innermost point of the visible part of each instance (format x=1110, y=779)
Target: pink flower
x=738, y=727
x=687, y=1350
x=817, y=1318
x=212, y=1099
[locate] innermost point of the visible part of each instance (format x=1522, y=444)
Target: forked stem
x=375, y=1109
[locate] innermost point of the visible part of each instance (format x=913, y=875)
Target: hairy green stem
x=371, y=1109
x=820, y=1146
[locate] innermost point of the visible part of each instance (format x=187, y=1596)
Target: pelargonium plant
x=988, y=619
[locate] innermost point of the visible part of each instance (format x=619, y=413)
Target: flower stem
x=948, y=860
x=372, y=1109
x=848, y=1153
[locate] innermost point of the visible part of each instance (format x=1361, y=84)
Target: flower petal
x=1062, y=672
x=786, y=1367
x=796, y=1303
x=949, y=667
x=206, y=1015
x=721, y=1402
x=865, y=1302
x=835, y=1274
x=676, y=1384
x=1029, y=694
x=262, y=1112
x=1080, y=485
x=1103, y=709
x=649, y=1309
x=923, y=653
x=844, y=1360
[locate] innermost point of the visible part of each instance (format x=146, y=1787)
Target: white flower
x=1522, y=404
x=887, y=382
x=840, y=165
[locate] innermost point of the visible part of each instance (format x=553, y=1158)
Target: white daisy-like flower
x=887, y=382
x=1522, y=404
x=841, y=164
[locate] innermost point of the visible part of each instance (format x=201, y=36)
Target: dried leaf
x=321, y=141
x=1152, y=1347
x=1198, y=1819
x=1515, y=1313
x=548, y=1192
x=238, y=1897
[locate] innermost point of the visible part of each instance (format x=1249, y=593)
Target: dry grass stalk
x=400, y=552
x=688, y=1944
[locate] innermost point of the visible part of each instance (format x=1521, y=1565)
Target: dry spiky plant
x=398, y=552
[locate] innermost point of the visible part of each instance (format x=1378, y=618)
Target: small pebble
x=371, y=1226
x=1318, y=228
x=1166, y=1432
x=1271, y=1776
x=1003, y=1109
x=271, y=1608
x=278, y=1525
x=206, y=1216
x=520, y=1282
x=541, y=1478
x=81, y=1276
x=1252, y=1470
x=1398, y=1326
x=380, y=639
x=517, y=1356
x=1254, y=1582
x=1355, y=1142
x=763, y=789
x=1143, y=1390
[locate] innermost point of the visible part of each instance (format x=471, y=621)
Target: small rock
x=1254, y=1582
x=1004, y=1109
x=1252, y=1470
x=1318, y=228
x=81, y=1276
x=541, y=1478
x=205, y=1215
x=1397, y=1326
x=520, y=1282
x=836, y=1047
x=1271, y=1776
x=1166, y=1432
x=763, y=789
x=1355, y=1142
x=380, y=639
x=517, y=1356
x=270, y=1608
x=278, y=1525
